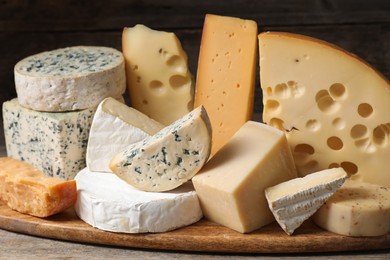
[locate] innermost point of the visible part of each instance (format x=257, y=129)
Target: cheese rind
x=115, y=126
x=108, y=203
x=294, y=201
x=55, y=143
x=231, y=185
x=28, y=190
x=159, y=82
x=169, y=158
x=71, y=78
x=226, y=74
x=332, y=106
x=356, y=209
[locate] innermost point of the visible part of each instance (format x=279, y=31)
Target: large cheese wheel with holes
x=333, y=106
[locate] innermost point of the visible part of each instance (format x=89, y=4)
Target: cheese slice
x=356, y=209
x=231, y=185
x=169, y=158
x=159, y=82
x=115, y=126
x=71, y=78
x=294, y=201
x=226, y=74
x=332, y=106
x=108, y=203
x=28, y=190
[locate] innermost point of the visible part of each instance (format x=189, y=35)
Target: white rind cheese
x=115, y=126
x=108, y=203
x=70, y=78
x=55, y=143
x=294, y=201
x=169, y=158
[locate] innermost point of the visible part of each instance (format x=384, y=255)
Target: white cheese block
x=159, y=82
x=55, y=143
x=70, y=78
x=114, y=127
x=108, y=203
x=356, y=209
x=294, y=201
x=333, y=106
x=169, y=158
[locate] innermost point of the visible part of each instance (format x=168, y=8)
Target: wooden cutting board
x=203, y=236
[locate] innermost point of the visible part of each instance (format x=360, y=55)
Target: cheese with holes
x=159, y=82
x=356, y=209
x=231, y=185
x=332, y=106
x=169, y=158
x=115, y=126
x=294, y=201
x=71, y=78
x=55, y=143
x=226, y=74
x=28, y=190
x=108, y=203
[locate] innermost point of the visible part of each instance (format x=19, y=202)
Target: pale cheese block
x=169, y=158
x=294, y=201
x=356, y=209
x=226, y=74
x=55, y=143
x=115, y=126
x=71, y=78
x=159, y=82
x=332, y=105
x=108, y=203
x=231, y=185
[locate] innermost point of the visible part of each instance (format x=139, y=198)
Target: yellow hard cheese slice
x=294, y=201
x=333, y=107
x=356, y=209
x=231, y=185
x=158, y=80
x=226, y=74
x=169, y=158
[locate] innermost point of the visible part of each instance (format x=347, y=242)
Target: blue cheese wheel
x=71, y=78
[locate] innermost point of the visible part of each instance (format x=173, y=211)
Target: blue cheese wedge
x=70, y=78
x=55, y=143
x=294, y=201
x=169, y=158
x=108, y=203
x=115, y=126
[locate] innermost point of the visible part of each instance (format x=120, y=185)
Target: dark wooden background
x=28, y=27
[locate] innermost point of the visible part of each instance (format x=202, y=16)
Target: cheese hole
x=313, y=125
x=272, y=105
x=157, y=86
x=277, y=122
x=176, y=63
x=337, y=90
x=358, y=131
x=178, y=81
x=269, y=91
x=325, y=102
x=381, y=134
x=145, y=102
x=334, y=143
x=349, y=167
x=365, y=110
x=338, y=123
x=304, y=149
x=333, y=165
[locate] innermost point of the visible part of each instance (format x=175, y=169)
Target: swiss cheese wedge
x=333, y=107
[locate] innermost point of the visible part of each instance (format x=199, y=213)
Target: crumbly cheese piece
x=108, y=203
x=332, y=106
x=115, y=126
x=231, y=185
x=28, y=190
x=294, y=201
x=159, y=82
x=226, y=74
x=70, y=78
x=356, y=209
x=55, y=143
x=169, y=158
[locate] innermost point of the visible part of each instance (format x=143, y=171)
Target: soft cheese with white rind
x=115, y=126
x=71, y=78
x=108, y=203
x=294, y=201
x=332, y=105
x=169, y=158
x=55, y=143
